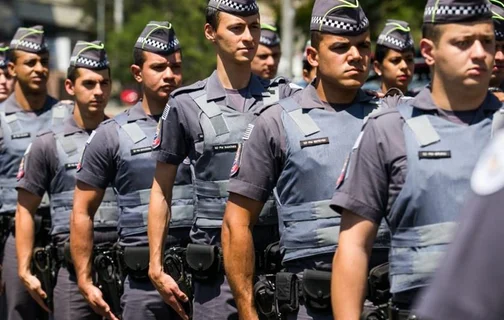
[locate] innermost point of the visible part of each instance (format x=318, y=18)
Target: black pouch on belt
x=287, y=292
x=273, y=258
x=379, y=285
x=204, y=261
x=136, y=262
x=317, y=289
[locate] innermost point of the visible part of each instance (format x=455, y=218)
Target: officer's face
x=464, y=54
x=498, y=68
x=265, y=62
x=396, y=69
x=31, y=70
x=91, y=89
x=342, y=60
x=161, y=75
x=236, y=38
x=6, y=84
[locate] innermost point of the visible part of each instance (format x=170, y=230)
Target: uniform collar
x=424, y=101
x=12, y=106
x=137, y=112
x=215, y=90
x=311, y=100
x=70, y=126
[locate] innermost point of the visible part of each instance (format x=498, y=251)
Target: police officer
x=298, y=148
x=28, y=110
x=394, y=58
x=469, y=283
x=413, y=163
x=50, y=165
x=205, y=122
x=6, y=80
x=266, y=61
x=120, y=154
x=498, y=68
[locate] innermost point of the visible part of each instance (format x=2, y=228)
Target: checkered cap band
x=91, y=64
x=387, y=40
x=234, y=7
x=335, y=25
x=499, y=35
x=3, y=62
x=32, y=46
x=158, y=45
x=455, y=11
x=269, y=42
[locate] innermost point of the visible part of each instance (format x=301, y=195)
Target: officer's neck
x=334, y=94
x=153, y=106
x=451, y=97
x=29, y=101
x=233, y=75
x=87, y=121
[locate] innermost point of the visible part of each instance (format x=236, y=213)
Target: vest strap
x=423, y=130
x=303, y=120
x=67, y=143
x=12, y=121
x=213, y=189
x=134, y=132
x=424, y=236
x=212, y=111
x=498, y=121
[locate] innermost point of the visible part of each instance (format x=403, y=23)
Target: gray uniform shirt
x=470, y=281
x=378, y=167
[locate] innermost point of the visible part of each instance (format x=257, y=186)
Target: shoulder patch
x=165, y=112
x=80, y=164
x=292, y=85
x=248, y=132
x=488, y=176
x=156, y=142
x=190, y=88
x=22, y=164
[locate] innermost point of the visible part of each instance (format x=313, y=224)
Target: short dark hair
x=138, y=57
x=73, y=73
x=212, y=17
x=11, y=55
x=316, y=38
x=307, y=66
x=432, y=32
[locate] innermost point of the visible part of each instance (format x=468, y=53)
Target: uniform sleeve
x=471, y=277
x=38, y=166
x=261, y=161
x=174, y=136
x=364, y=189
x=288, y=89
x=98, y=160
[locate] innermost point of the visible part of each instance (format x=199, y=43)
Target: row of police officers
x=217, y=200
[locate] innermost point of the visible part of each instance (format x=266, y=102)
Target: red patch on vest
x=21, y=171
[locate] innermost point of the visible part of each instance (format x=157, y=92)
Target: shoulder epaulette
x=190, y=88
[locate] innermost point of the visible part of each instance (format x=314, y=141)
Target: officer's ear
x=70, y=87
x=11, y=69
x=428, y=51
x=312, y=56
x=210, y=32
x=136, y=71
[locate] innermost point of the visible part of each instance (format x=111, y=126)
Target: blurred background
x=119, y=22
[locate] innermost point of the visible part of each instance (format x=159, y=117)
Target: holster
x=44, y=268
x=264, y=297
x=379, y=285
x=272, y=258
x=204, y=261
x=174, y=264
x=136, y=262
x=396, y=313
x=109, y=276
x=317, y=289
x=373, y=313
x=287, y=292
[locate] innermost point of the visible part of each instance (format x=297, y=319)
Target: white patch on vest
x=488, y=176
x=248, y=132
x=165, y=112
x=294, y=86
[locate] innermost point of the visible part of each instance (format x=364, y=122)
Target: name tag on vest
x=434, y=154
x=226, y=148
x=21, y=135
x=70, y=166
x=314, y=142
x=136, y=151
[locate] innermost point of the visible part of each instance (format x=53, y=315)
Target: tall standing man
x=119, y=154
x=50, y=166
x=298, y=148
x=206, y=122
x=266, y=61
x=28, y=110
x=414, y=162
x=6, y=80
